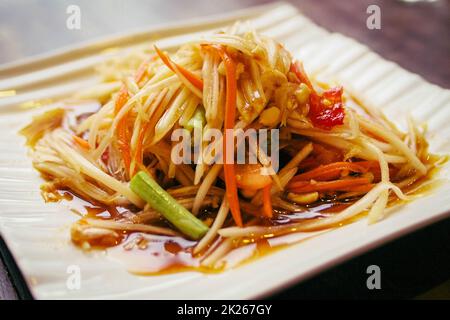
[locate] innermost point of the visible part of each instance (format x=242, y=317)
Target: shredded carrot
x=141, y=71
x=334, y=185
x=299, y=71
x=267, y=201
x=374, y=167
x=330, y=171
x=371, y=165
x=123, y=132
x=122, y=98
x=230, y=113
x=359, y=188
x=81, y=142
x=123, y=140
x=191, y=77
x=138, y=161
x=321, y=115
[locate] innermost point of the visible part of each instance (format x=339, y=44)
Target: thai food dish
x=220, y=143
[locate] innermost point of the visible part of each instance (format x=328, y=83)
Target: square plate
x=37, y=234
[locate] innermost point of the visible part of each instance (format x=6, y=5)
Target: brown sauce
x=147, y=254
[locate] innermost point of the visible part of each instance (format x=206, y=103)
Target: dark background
x=415, y=34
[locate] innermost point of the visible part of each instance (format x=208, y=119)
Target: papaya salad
x=339, y=159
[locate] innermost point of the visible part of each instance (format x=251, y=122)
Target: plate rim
x=232, y=15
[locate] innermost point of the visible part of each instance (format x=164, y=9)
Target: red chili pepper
x=105, y=156
x=299, y=71
x=324, y=116
x=327, y=111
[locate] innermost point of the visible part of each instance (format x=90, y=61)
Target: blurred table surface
x=415, y=34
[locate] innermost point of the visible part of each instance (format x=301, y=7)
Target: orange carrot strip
x=191, y=77
x=369, y=164
x=335, y=185
x=122, y=98
x=138, y=161
x=141, y=71
x=230, y=113
x=123, y=132
x=267, y=201
x=299, y=71
x=123, y=140
x=374, y=167
x=123, y=93
x=359, y=188
x=330, y=171
x=122, y=128
x=81, y=142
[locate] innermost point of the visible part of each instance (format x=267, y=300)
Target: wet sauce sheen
x=146, y=254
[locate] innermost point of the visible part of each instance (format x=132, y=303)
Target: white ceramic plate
x=38, y=234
